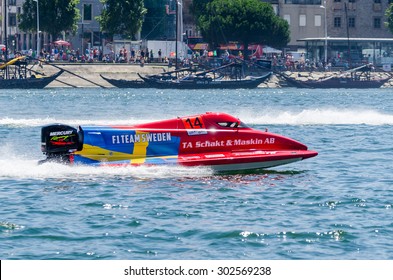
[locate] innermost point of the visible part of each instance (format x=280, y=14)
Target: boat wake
x=318, y=117
x=17, y=168
x=321, y=116
x=34, y=122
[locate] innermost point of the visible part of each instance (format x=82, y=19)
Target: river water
x=337, y=205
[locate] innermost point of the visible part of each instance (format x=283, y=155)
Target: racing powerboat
x=217, y=140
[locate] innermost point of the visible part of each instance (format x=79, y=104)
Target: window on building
x=351, y=1
x=377, y=22
x=351, y=22
x=318, y=20
x=96, y=38
x=302, y=20
x=11, y=2
x=24, y=41
x=302, y=2
x=19, y=11
x=378, y=1
x=87, y=37
x=337, y=0
x=337, y=22
x=87, y=12
x=11, y=19
x=288, y=18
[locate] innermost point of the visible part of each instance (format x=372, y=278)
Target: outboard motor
x=58, y=141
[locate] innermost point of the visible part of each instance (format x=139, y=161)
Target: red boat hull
x=245, y=160
x=217, y=140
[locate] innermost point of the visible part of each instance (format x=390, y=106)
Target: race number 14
x=193, y=123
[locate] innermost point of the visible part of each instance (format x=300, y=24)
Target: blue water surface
x=337, y=205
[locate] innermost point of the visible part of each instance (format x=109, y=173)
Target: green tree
x=122, y=17
x=154, y=20
x=245, y=21
x=55, y=16
x=389, y=16
x=198, y=7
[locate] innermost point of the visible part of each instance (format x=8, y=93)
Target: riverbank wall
x=88, y=74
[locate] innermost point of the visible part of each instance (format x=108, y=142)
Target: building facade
x=9, y=10
x=316, y=26
x=365, y=19
x=87, y=35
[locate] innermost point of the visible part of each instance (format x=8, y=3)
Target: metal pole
x=82, y=52
x=38, y=29
x=325, y=34
x=349, y=43
x=325, y=23
x=5, y=31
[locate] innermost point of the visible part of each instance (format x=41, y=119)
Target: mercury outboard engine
x=58, y=141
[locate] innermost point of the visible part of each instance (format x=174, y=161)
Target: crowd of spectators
x=65, y=54
x=279, y=62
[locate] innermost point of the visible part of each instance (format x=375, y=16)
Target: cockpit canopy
x=232, y=124
x=224, y=120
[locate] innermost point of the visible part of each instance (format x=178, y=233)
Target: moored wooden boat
x=196, y=82
x=224, y=77
x=14, y=74
x=33, y=82
x=355, y=78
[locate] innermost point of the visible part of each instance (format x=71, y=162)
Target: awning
x=201, y=46
x=231, y=47
x=270, y=50
x=62, y=43
x=239, y=47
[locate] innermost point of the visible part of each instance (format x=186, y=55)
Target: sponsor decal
x=196, y=132
x=141, y=138
x=62, y=140
x=59, y=133
x=227, y=143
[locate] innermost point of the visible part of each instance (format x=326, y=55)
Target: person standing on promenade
x=132, y=58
